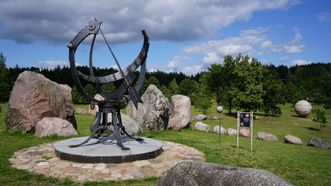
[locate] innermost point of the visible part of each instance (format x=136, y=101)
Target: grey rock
x=256, y=117
x=96, y=107
x=153, y=113
x=302, y=108
x=187, y=173
x=232, y=132
x=319, y=143
x=215, y=118
x=292, y=139
x=181, y=116
x=245, y=132
x=54, y=126
x=93, y=111
x=219, y=129
x=130, y=125
x=200, y=117
x=219, y=109
x=81, y=111
x=267, y=136
x=34, y=97
x=201, y=127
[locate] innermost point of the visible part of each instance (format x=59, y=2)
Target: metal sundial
x=128, y=90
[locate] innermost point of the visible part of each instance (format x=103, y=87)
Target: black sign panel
x=245, y=119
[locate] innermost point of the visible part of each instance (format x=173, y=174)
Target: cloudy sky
x=185, y=35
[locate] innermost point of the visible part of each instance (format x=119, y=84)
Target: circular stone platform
x=41, y=159
x=107, y=152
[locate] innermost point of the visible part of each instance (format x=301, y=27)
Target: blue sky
x=186, y=36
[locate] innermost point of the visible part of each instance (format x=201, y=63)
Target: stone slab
x=107, y=152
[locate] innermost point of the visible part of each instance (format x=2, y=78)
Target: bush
x=319, y=116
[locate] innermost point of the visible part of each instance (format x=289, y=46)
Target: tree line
x=240, y=82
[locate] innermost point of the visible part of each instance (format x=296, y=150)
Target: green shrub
x=319, y=116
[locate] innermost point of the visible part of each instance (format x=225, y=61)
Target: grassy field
x=298, y=164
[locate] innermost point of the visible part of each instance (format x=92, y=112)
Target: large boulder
x=81, y=111
x=54, y=126
x=153, y=113
x=267, y=136
x=96, y=107
x=292, y=139
x=232, y=132
x=245, y=132
x=302, y=108
x=200, y=117
x=201, y=127
x=187, y=173
x=181, y=116
x=219, y=129
x=319, y=143
x=34, y=97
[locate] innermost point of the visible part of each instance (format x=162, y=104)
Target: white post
x=219, y=132
x=238, y=123
x=252, y=131
x=219, y=110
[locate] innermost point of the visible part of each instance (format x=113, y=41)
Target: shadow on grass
x=313, y=128
x=234, y=115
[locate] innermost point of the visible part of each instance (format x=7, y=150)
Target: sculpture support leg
x=101, y=124
x=117, y=132
x=96, y=122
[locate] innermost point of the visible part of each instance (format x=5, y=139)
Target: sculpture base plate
x=107, y=152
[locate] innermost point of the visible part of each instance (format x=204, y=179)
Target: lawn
x=298, y=164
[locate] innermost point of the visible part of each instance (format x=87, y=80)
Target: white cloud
x=249, y=42
x=193, y=69
x=152, y=69
x=57, y=21
x=294, y=46
x=211, y=58
x=114, y=67
x=51, y=64
x=266, y=44
x=228, y=46
x=293, y=49
x=323, y=16
x=245, y=44
x=174, y=65
x=300, y=62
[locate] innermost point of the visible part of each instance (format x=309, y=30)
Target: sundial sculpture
x=128, y=89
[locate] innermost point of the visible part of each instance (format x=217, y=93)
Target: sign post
x=219, y=110
x=238, y=121
x=245, y=119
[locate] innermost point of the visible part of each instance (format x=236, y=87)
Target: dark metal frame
x=128, y=90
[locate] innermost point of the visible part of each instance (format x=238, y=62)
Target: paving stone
x=41, y=159
x=141, y=163
x=88, y=166
x=42, y=163
x=100, y=166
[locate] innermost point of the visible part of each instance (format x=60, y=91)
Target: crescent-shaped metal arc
x=92, y=28
x=118, y=75
x=123, y=88
x=91, y=56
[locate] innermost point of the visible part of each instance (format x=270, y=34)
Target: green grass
x=298, y=164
